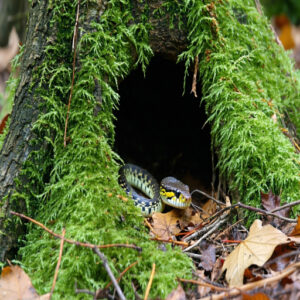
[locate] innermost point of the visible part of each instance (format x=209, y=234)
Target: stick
x=74, y=44
x=88, y=245
x=194, y=84
x=58, y=262
x=256, y=284
x=215, y=227
x=122, y=274
x=219, y=289
x=285, y=206
x=150, y=282
x=109, y=272
x=208, y=196
x=170, y=241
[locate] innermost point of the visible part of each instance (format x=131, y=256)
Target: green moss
x=246, y=79
x=82, y=193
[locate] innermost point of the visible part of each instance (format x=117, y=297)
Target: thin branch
x=170, y=241
x=194, y=255
x=74, y=47
x=88, y=245
x=237, y=291
x=150, y=282
x=255, y=209
x=122, y=274
x=213, y=287
x=194, y=84
x=285, y=206
x=213, y=229
x=203, y=230
x=109, y=272
x=58, y=262
x=208, y=196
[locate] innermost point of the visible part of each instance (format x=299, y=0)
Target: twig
x=58, y=262
x=237, y=291
x=228, y=228
x=122, y=274
x=255, y=209
x=109, y=272
x=258, y=6
x=202, y=230
x=285, y=206
x=170, y=241
x=74, y=44
x=208, y=196
x=194, y=84
x=88, y=245
x=219, y=289
x=214, y=228
x=150, y=282
x=194, y=255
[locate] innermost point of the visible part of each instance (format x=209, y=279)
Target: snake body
x=171, y=191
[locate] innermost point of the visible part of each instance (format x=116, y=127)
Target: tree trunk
x=76, y=186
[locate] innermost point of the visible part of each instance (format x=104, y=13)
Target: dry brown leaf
x=15, y=284
x=256, y=296
x=296, y=230
x=256, y=249
x=202, y=291
x=166, y=225
x=177, y=294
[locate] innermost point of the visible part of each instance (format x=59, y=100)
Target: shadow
x=160, y=129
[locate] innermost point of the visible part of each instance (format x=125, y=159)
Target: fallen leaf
x=15, y=284
x=177, y=294
x=296, y=230
x=256, y=296
x=202, y=290
x=269, y=202
x=256, y=249
x=209, y=257
x=166, y=225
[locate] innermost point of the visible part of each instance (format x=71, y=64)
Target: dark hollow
x=160, y=129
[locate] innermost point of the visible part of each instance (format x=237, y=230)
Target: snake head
x=175, y=193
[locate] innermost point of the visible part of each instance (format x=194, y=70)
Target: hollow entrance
x=160, y=129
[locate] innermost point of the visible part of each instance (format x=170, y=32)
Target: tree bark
x=17, y=145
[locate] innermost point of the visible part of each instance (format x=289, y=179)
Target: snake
x=171, y=191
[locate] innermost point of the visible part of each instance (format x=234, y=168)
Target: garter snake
x=171, y=191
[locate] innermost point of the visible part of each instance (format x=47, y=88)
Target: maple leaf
x=168, y=224
x=269, y=202
x=256, y=249
x=15, y=284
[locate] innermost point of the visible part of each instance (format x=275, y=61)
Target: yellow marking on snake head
x=170, y=195
x=182, y=199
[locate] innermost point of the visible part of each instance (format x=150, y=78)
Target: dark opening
x=162, y=130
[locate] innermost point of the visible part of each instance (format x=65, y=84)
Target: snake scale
x=171, y=191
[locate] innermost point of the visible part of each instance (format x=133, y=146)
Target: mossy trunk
x=18, y=142
x=76, y=186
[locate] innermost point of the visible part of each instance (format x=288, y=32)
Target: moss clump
x=82, y=193
x=247, y=80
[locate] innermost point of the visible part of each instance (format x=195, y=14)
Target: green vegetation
x=246, y=79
